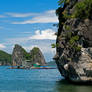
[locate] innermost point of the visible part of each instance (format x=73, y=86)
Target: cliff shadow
x=67, y=86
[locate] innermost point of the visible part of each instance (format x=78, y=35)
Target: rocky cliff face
x=22, y=58
x=18, y=55
x=74, y=44
x=37, y=56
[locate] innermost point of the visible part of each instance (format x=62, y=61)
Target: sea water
x=36, y=80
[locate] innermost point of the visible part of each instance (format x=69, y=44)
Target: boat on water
x=34, y=66
x=42, y=68
x=38, y=66
x=31, y=68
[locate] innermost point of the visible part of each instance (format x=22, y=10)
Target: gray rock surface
x=18, y=55
x=37, y=56
x=22, y=58
x=74, y=50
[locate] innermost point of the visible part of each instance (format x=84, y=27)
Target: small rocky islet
x=74, y=40
x=22, y=59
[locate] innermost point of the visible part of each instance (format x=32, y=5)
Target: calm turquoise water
x=36, y=81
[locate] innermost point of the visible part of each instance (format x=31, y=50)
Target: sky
x=28, y=23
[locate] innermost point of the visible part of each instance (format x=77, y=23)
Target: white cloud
x=17, y=40
x=2, y=16
x=44, y=48
x=44, y=34
x=45, y=17
x=2, y=46
x=47, y=34
x=21, y=15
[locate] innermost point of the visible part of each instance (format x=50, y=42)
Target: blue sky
x=28, y=23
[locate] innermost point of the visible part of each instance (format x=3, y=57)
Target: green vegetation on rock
x=67, y=27
x=26, y=54
x=54, y=45
x=83, y=9
x=74, y=39
x=35, y=50
x=60, y=2
x=5, y=58
x=78, y=48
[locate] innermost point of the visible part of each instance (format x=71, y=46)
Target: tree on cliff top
x=61, y=2
x=83, y=9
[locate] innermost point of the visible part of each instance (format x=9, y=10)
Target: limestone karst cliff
x=22, y=58
x=19, y=55
x=74, y=40
x=37, y=56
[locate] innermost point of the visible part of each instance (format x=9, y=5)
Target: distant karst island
x=21, y=58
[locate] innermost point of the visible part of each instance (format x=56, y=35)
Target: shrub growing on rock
x=83, y=9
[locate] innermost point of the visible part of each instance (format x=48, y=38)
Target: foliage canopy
x=5, y=57
x=83, y=9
